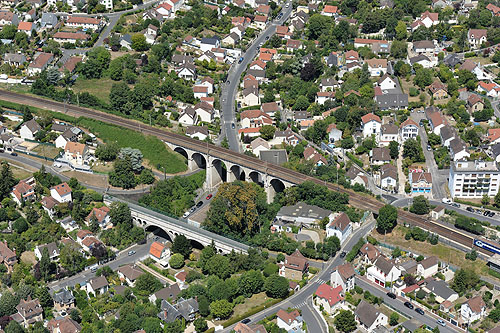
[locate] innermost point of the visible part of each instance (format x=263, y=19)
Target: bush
x=355, y=250
x=472, y=255
x=413, y=91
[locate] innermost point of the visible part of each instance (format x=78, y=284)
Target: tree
x=182, y=245
x=434, y=139
x=200, y=325
x=176, y=261
x=146, y=176
x=345, y=321
x=120, y=215
x=387, y=218
x=394, y=319
x=394, y=149
x=463, y=280
x=276, y=286
x=401, y=30
x=219, y=265
x=423, y=78
x=412, y=150
x=139, y=42
x=123, y=174
x=203, y=305
x=250, y=283
x=485, y=200
x=497, y=199
x=7, y=180
x=107, y=152
x=301, y=103
x=267, y=132
x=20, y=225
x=399, y=49
x=221, y=309
x=420, y=205
x=135, y=156
x=147, y=284
x=45, y=264
x=309, y=72
x=14, y=327
x=97, y=62
x=119, y=96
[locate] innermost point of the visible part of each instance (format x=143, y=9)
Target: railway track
x=357, y=200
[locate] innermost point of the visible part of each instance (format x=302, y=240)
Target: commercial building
x=473, y=179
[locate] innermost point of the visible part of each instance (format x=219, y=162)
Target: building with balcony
x=474, y=179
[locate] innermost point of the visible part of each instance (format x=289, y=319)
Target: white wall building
x=473, y=179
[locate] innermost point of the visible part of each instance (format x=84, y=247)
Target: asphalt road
x=303, y=298
x=123, y=258
x=398, y=304
x=228, y=93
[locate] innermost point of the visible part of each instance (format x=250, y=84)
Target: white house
x=383, y=271
x=97, y=285
x=376, y=67
x=208, y=43
x=408, y=130
x=388, y=132
x=188, y=116
x=251, y=96
x=129, y=273
x=29, y=129
x=368, y=317
x=198, y=132
x=477, y=37
x=472, y=310
x=388, y=177
x=343, y=276
x=289, y=321
x=205, y=112
x=427, y=267
x=158, y=251
x=329, y=297
x=51, y=248
x=340, y=226
x=76, y=153
x=100, y=215
x=371, y=124
x=61, y=192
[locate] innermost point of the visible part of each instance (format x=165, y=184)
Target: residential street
x=301, y=299
x=230, y=89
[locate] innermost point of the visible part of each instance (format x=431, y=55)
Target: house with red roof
x=472, y=310
x=427, y=19
x=344, y=276
x=310, y=154
x=24, y=191
x=260, y=22
x=371, y=125
x=329, y=297
x=61, y=192
x=294, y=266
x=495, y=10
x=26, y=27
x=351, y=56
x=331, y=11
x=490, y=89
x=289, y=321
x=159, y=251
x=101, y=215
x=493, y=135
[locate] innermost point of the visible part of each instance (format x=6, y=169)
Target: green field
x=153, y=149
x=100, y=88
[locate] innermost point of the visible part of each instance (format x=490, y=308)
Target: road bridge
x=149, y=220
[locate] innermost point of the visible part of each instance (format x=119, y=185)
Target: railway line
x=358, y=200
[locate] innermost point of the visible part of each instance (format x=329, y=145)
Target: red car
x=209, y=197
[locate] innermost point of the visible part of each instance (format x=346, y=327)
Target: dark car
x=491, y=214
x=232, y=126
x=470, y=209
x=199, y=204
x=245, y=321
x=456, y=205
x=343, y=254
x=391, y=295
x=486, y=213
x=267, y=37
x=13, y=154
x=408, y=305
x=419, y=311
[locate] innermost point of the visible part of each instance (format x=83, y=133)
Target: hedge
x=355, y=159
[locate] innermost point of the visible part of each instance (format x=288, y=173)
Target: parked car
x=186, y=214
x=408, y=305
x=441, y=322
x=429, y=148
x=209, y=197
x=446, y=201
x=199, y=204
x=131, y=252
x=486, y=213
x=343, y=254
x=192, y=209
x=491, y=214
x=13, y=154
x=419, y=311
x=470, y=209
x=456, y=205
x=246, y=321
x=240, y=60
x=391, y=295
x=232, y=126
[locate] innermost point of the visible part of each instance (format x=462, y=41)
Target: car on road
x=186, y=214
x=419, y=311
x=429, y=148
x=456, y=205
x=343, y=254
x=491, y=214
x=287, y=5
x=446, y=201
x=486, y=213
x=441, y=322
x=131, y=252
x=240, y=60
x=199, y=204
x=232, y=126
x=209, y=197
x=391, y=295
x=408, y=305
x=13, y=154
x=470, y=209
x=192, y=209
x=267, y=37
x=246, y=321
x=93, y=269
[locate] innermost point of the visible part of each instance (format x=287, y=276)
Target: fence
x=33, y=154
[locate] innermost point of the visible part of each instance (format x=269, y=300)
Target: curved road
x=228, y=93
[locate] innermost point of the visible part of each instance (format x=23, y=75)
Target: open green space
x=100, y=88
x=153, y=149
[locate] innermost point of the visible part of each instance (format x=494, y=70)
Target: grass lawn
x=101, y=168
x=250, y=303
x=443, y=252
x=47, y=151
x=18, y=170
x=97, y=87
x=155, y=152
x=483, y=61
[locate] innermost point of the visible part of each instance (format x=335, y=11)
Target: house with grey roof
x=302, y=214
x=14, y=59
x=64, y=300
x=440, y=289
x=52, y=249
x=186, y=309
x=447, y=134
x=29, y=129
x=48, y=20
x=369, y=317
x=167, y=293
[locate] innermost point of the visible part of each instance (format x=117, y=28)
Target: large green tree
x=182, y=245
x=221, y=309
x=387, y=218
x=276, y=286
x=420, y=205
x=344, y=321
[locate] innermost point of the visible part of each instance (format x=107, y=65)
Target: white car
x=446, y=201
x=186, y=214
